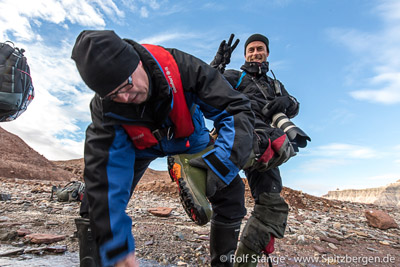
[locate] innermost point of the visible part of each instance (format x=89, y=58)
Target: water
x=28, y=260
x=66, y=259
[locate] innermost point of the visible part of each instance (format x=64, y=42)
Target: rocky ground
x=320, y=232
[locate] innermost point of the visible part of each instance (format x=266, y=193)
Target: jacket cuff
x=117, y=249
x=221, y=166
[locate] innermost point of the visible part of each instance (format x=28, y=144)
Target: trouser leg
x=88, y=249
x=268, y=219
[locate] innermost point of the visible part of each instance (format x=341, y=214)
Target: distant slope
x=18, y=160
x=384, y=196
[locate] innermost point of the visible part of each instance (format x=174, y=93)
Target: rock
x=332, y=246
x=360, y=234
x=4, y=219
x=380, y=219
x=149, y=243
x=176, y=239
x=204, y=237
x=202, y=232
x=179, y=236
x=329, y=240
x=56, y=249
x=12, y=252
x=160, y=211
x=6, y=236
x=37, y=251
x=337, y=226
x=23, y=232
x=5, y=197
x=301, y=240
x=384, y=242
x=38, y=238
x=320, y=250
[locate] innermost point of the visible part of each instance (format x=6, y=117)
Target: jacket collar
x=255, y=68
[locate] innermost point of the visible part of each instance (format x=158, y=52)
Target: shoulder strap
x=277, y=86
x=240, y=79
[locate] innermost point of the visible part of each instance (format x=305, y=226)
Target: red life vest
x=180, y=116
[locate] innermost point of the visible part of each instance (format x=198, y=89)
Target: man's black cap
x=104, y=60
x=257, y=37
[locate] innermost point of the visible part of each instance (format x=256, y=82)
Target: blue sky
x=339, y=58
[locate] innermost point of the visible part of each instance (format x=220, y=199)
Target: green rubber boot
x=246, y=257
x=191, y=183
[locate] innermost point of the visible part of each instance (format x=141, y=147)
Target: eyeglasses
x=121, y=90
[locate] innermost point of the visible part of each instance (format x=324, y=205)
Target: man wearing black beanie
x=149, y=103
x=268, y=97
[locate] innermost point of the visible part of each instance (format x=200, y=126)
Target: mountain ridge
x=388, y=195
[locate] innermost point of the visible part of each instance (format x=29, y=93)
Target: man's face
x=256, y=52
x=134, y=91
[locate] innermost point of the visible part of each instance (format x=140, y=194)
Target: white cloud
x=389, y=177
x=110, y=8
x=50, y=124
x=162, y=38
x=346, y=151
x=144, y=12
x=54, y=122
x=154, y=4
x=377, y=51
x=143, y=7
x=322, y=164
x=331, y=156
x=17, y=17
x=389, y=10
x=370, y=181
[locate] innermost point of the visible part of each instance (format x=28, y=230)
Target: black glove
x=279, y=104
x=214, y=183
x=223, y=56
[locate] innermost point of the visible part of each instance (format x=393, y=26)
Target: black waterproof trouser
x=270, y=213
x=264, y=182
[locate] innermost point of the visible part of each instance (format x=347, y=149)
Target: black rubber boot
x=88, y=252
x=223, y=242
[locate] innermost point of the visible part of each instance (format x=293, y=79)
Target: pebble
x=339, y=225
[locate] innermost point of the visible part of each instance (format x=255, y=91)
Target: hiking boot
x=191, y=183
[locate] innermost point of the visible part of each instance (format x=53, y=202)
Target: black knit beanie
x=104, y=60
x=257, y=37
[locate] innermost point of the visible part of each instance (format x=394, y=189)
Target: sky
x=339, y=58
